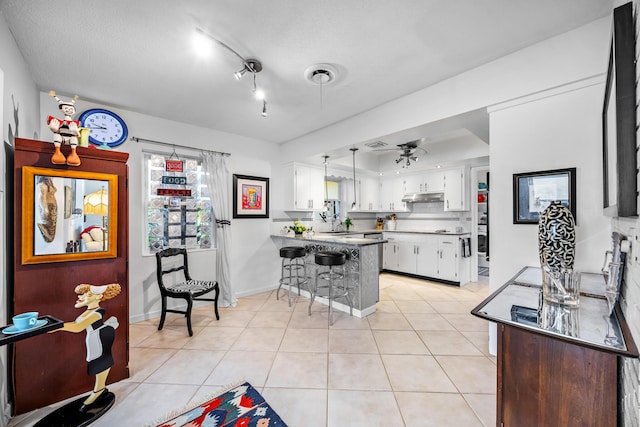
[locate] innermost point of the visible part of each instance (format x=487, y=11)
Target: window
x=178, y=203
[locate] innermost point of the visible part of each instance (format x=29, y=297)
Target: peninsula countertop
x=343, y=238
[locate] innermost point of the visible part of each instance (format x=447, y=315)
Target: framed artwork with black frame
x=534, y=191
x=250, y=196
x=619, y=119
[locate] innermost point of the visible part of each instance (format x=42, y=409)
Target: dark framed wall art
x=534, y=191
x=619, y=119
x=250, y=196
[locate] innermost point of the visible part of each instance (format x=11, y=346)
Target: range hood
x=423, y=197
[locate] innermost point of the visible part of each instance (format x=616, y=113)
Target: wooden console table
x=556, y=366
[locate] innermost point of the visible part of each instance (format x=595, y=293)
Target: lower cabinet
x=390, y=255
x=429, y=255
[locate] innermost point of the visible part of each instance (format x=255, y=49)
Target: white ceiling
x=138, y=54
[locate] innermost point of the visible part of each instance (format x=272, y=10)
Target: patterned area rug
x=241, y=406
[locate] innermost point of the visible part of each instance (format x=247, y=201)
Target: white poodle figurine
x=65, y=130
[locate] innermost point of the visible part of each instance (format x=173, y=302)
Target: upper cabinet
x=307, y=191
x=391, y=191
x=369, y=193
x=432, y=182
x=455, y=190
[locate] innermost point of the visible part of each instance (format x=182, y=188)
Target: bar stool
x=334, y=290
x=293, y=264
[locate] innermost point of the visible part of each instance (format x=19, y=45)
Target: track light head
x=239, y=74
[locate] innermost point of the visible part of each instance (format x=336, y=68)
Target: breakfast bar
x=362, y=266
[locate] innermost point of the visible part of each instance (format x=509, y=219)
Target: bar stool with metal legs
x=331, y=290
x=293, y=264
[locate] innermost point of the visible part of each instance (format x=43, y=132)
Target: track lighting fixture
x=252, y=66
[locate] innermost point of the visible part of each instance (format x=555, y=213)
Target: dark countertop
x=440, y=232
x=342, y=238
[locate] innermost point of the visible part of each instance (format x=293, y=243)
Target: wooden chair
x=189, y=290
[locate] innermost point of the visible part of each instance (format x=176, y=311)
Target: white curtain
x=219, y=183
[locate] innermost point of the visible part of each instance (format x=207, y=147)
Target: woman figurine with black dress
x=100, y=335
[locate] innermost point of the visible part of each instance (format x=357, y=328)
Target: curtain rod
x=136, y=139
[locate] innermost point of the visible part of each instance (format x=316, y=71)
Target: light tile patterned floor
x=420, y=360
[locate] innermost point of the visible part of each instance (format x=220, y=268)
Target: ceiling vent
x=321, y=74
x=376, y=144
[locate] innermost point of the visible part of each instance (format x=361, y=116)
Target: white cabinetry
x=391, y=192
x=448, y=253
x=369, y=191
x=455, y=190
x=407, y=257
x=428, y=255
x=306, y=188
x=432, y=182
x=390, y=255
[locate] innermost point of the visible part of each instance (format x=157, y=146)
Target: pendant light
x=325, y=206
x=354, y=204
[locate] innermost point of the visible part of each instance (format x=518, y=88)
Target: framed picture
x=250, y=197
x=534, y=191
x=619, y=119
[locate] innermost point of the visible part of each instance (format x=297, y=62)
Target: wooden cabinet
x=49, y=368
x=557, y=366
x=545, y=381
x=455, y=190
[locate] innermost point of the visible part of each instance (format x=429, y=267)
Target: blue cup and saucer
x=24, y=322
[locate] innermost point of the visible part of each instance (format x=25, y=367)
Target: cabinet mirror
x=68, y=215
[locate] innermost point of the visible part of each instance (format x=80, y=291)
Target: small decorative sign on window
x=173, y=165
x=174, y=180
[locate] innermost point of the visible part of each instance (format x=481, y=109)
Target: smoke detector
x=321, y=74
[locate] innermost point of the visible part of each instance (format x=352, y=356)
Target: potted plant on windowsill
x=348, y=223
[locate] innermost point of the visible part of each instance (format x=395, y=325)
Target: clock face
x=107, y=128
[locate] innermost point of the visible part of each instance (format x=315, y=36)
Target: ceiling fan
x=407, y=152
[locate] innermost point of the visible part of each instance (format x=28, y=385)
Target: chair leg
x=215, y=303
x=281, y=279
x=188, y=314
x=164, y=312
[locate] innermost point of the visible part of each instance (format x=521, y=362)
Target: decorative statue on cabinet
x=100, y=337
x=65, y=131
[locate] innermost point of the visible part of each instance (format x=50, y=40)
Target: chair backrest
x=168, y=253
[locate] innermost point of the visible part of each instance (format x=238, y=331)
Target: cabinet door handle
x=417, y=250
x=440, y=254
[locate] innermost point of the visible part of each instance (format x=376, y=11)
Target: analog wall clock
x=106, y=127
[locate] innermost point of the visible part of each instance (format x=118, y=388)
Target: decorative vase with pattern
x=557, y=237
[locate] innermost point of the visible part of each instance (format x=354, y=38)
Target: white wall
x=18, y=116
x=571, y=56
x=252, y=250
x=552, y=130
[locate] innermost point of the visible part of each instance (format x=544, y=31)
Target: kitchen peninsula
x=362, y=266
